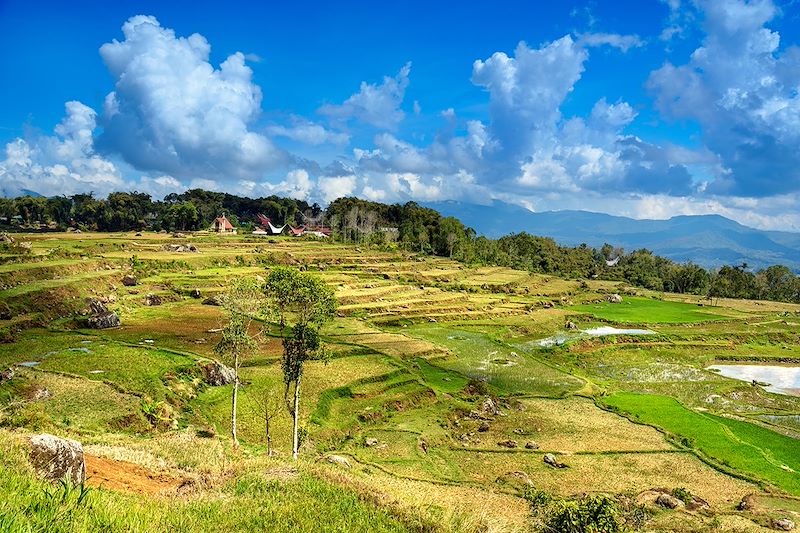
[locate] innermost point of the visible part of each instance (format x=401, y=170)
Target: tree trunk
x=266, y=426
x=295, y=435
x=235, y=398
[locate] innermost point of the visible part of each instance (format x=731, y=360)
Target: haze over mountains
x=708, y=240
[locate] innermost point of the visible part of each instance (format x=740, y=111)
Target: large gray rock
x=54, y=458
x=784, y=524
x=217, y=374
x=490, y=407
x=104, y=320
x=96, y=307
x=668, y=500
x=614, y=299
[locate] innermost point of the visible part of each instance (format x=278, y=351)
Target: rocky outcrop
x=101, y=317
x=216, y=374
x=105, y=320
x=614, y=299
x=489, y=407
x=54, y=458
x=668, y=500
x=180, y=248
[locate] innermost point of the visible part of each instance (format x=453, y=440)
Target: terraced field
x=439, y=391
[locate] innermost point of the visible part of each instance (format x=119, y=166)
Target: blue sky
x=647, y=109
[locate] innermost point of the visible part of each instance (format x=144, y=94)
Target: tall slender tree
x=242, y=300
x=301, y=304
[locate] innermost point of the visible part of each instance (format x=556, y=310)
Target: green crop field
x=437, y=397
x=649, y=311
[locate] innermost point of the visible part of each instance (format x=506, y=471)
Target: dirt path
x=128, y=477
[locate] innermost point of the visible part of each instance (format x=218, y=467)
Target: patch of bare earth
x=127, y=477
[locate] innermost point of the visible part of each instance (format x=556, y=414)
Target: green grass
x=478, y=357
x=755, y=451
x=649, y=311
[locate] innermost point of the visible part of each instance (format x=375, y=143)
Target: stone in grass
x=152, y=299
x=6, y=375
x=668, y=500
x=484, y=427
x=338, y=460
x=530, y=445
x=129, y=280
x=369, y=442
x=490, y=407
x=508, y=443
x=104, y=320
x=614, y=299
x=195, y=293
x=551, y=460
x=212, y=300
x=217, y=374
x=40, y=394
x=784, y=524
x=55, y=458
x=570, y=325
x=749, y=503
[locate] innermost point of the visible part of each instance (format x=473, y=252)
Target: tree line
x=409, y=226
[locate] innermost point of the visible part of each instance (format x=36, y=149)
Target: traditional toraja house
x=223, y=225
x=267, y=227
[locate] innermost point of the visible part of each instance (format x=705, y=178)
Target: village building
x=223, y=225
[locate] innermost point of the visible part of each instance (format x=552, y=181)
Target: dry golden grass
x=458, y=508
x=611, y=473
x=573, y=425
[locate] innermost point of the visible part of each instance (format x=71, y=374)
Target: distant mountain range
x=708, y=240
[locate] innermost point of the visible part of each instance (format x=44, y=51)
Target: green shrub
x=593, y=514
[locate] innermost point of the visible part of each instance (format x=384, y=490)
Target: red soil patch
x=128, y=477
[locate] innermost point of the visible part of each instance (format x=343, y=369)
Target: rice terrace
x=435, y=409
x=408, y=267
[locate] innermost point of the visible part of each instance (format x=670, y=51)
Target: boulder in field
x=530, y=445
x=129, y=280
x=490, y=407
x=212, y=300
x=55, y=458
x=152, y=299
x=96, y=307
x=484, y=427
x=369, y=442
x=570, y=325
x=338, y=460
x=749, y=503
x=105, y=320
x=668, y=500
x=784, y=524
x=217, y=374
x=195, y=293
x=614, y=299
x=508, y=443
x=551, y=460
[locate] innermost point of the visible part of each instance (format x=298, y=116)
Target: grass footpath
x=755, y=451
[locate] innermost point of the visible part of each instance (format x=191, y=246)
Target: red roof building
x=223, y=225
